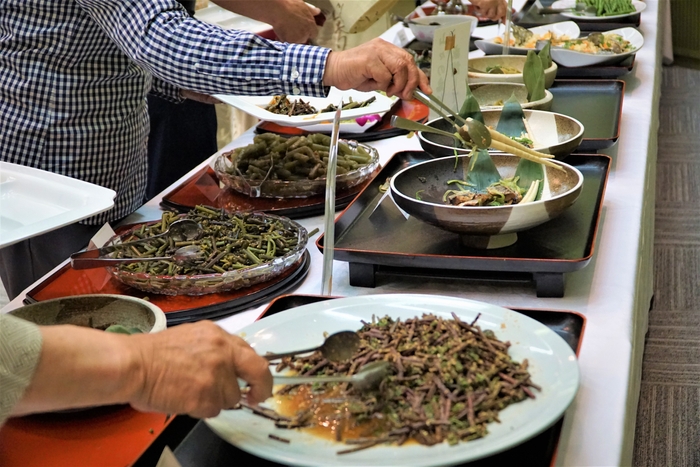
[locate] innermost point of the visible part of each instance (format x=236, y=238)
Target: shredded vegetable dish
x=449, y=379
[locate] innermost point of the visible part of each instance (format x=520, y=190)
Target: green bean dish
x=277, y=167
x=235, y=250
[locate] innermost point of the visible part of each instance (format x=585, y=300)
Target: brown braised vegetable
x=449, y=380
x=230, y=241
x=273, y=157
x=283, y=106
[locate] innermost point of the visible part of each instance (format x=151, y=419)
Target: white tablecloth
x=613, y=291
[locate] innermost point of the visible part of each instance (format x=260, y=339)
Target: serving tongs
x=482, y=136
x=329, y=220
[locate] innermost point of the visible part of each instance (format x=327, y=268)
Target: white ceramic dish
x=513, y=61
x=638, y=6
x=552, y=365
x=34, y=201
x=320, y=122
x=573, y=58
x=565, y=28
x=424, y=28
x=491, y=96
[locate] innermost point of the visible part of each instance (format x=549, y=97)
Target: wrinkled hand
x=199, y=97
x=492, y=9
x=293, y=21
x=193, y=369
x=375, y=65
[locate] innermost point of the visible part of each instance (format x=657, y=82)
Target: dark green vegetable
x=533, y=77
x=546, y=55
x=471, y=108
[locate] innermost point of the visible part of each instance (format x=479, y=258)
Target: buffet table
x=613, y=291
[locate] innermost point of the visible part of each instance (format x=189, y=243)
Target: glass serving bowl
x=294, y=188
x=201, y=284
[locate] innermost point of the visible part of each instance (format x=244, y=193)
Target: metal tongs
x=482, y=136
x=329, y=221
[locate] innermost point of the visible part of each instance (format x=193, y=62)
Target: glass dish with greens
x=277, y=167
x=237, y=250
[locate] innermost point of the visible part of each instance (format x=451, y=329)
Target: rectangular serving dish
x=529, y=17
x=597, y=104
x=605, y=71
x=382, y=241
x=201, y=447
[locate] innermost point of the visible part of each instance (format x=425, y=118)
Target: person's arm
x=192, y=369
x=492, y=9
x=292, y=20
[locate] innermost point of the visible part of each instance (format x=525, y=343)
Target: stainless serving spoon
x=184, y=255
x=337, y=347
x=370, y=376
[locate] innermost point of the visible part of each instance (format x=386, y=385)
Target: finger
x=399, y=81
x=230, y=391
x=254, y=370
x=424, y=83
x=379, y=73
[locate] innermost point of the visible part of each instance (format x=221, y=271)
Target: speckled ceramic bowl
x=491, y=96
x=555, y=134
x=97, y=311
x=481, y=226
x=510, y=61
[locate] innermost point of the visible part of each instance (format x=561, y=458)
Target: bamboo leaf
x=481, y=170
x=546, y=55
x=533, y=77
x=470, y=107
x=527, y=172
x=511, y=121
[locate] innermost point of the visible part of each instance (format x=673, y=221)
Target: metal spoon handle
x=277, y=356
x=311, y=379
x=91, y=263
x=406, y=124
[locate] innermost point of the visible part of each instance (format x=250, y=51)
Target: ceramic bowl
x=481, y=226
x=573, y=58
x=97, y=311
x=568, y=29
x=553, y=133
x=491, y=96
x=424, y=28
x=512, y=61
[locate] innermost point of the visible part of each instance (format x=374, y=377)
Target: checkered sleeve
x=166, y=91
x=160, y=36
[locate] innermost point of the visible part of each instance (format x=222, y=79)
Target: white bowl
x=424, y=28
x=96, y=311
x=564, y=28
x=638, y=8
x=512, y=61
x=573, y=58
x=490, y=95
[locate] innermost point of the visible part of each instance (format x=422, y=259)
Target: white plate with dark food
x=317, y=116
x=609, y=15
x=526, y=39
x=598, y=48
x=34, y=201
x=551, y=365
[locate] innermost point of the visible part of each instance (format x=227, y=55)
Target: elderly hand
x=492, y=9
x=193, y=369
x=375, y=65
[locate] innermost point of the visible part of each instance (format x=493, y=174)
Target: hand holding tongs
x=482, y=136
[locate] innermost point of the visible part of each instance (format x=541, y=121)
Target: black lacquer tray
x=529, y=17
x=203, y=448
x=382, y=242
x=597, y=104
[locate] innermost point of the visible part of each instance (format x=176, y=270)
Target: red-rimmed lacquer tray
x=411, y=110
x=203, y=189
x=202, y=447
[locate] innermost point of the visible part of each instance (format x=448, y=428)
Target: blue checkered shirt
x=74, y=75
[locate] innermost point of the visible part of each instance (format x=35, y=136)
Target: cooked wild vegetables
x=283, y=105
x=273, y=157
x=449, y=379
x=230, y=241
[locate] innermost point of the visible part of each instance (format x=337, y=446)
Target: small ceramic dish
x=573, y=58
x=564, y=29
x=491, y=96
x=424, y=27
x=639, y=7
x=516, y=62
x=481, y=226
x=97, y=311
x=552, y=133
x=294, y=188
